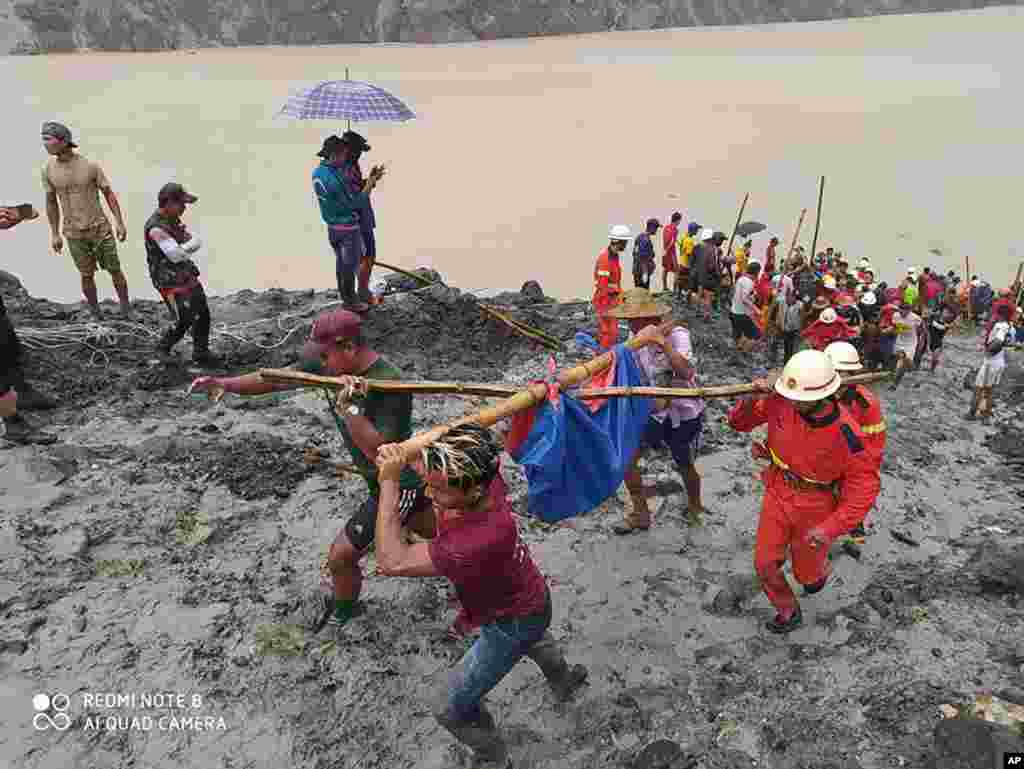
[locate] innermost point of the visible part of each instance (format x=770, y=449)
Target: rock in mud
x=999, y=568
x=73, y=543
x=664, y=754
x=969, y=743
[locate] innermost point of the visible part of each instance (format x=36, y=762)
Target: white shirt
x=1000, y=331
x=743, y=295
x=906, y=338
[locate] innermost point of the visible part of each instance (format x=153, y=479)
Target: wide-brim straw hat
x=638, y=303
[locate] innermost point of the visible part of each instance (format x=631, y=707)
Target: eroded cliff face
x=30, y=26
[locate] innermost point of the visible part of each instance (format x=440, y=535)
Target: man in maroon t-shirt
x=479, y=549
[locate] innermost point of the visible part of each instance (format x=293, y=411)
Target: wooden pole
x=721, y=391
x=796, y=234
x=817, y=223
x=290, y=376
x=739, y=217
x=967, y=280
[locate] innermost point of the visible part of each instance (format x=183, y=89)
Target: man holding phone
x=367, y=219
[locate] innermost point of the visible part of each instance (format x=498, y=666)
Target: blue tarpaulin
x=574, y=458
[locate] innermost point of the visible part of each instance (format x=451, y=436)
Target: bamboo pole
x=739, y=218
x=720, y=391
x=967, y=279
x=290, y=376
x=817, y=223
x=796, y=234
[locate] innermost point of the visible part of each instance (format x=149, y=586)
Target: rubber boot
x=785, y=624
x=17, y=430
x=489, y=749
x=29, y=398
x=563, y=678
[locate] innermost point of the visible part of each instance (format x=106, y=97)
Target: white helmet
x=869, y=299
x=619, y=232
x=707, y=233
x=828, y=315
x=809, y=376
x=844, y=356
x=829, y=282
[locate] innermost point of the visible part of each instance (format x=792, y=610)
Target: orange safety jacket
x=607, y=281
x=865, y=407
x=828, y=456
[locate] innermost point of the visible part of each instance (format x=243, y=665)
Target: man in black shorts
x=744, y=331
x=336, y=348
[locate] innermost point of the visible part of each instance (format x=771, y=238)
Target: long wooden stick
x=796, y=234
x=967, y=279
x=817, y=222
x=720, y=391
x=290, y=376
x=739, y=217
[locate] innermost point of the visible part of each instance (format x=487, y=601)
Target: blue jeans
x=500, y=646
x=348, y=251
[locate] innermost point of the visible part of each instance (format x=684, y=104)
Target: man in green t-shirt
x=336, y=348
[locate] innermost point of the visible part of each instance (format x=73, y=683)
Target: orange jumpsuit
x=607, y=294
x=865, y=407
x=821, y=476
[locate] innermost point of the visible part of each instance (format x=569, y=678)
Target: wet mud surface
x=166, y=544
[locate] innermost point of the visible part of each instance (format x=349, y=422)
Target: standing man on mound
x=479, y=550
x=821, y=482
x=608, y=285
x=336, y=348
x=73, y=185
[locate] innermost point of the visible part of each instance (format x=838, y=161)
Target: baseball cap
x=58, y=131
x=174, y=192
x=331, y=145
x=328, y=329
x=707, y=233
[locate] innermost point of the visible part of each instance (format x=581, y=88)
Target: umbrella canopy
x=747, y=229
x=346, y=100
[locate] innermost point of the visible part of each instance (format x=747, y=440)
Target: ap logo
x=59, y=704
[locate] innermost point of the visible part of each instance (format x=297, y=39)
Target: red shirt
x=490, y=566
x=820, y=334
x=769, y=258
x=669, y=236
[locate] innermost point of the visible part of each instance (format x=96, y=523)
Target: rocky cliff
x=32, y=26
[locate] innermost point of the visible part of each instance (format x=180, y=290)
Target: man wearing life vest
x=820, y=484
x=608, y=285
x=862, y=404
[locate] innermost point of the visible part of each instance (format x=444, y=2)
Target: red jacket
x=607, y=281
x=865, y=407
x=992, y=318
x=833, y=452
x=821, y=334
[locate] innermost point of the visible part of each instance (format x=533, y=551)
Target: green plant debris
x=120, y=567
x=280, y=640
x=192, y=528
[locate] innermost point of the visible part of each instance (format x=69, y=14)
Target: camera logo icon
x=59, y=703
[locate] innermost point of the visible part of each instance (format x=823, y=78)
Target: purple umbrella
x=346, y=100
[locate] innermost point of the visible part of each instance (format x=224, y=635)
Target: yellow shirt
x=77, y=184
x=741, y=260
x=686, y=245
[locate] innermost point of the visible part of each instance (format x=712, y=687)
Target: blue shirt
x=339, y=203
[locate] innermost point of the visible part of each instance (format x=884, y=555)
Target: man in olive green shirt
x=73, y=185
x=336, y=348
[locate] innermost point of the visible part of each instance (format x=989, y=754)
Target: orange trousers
x=786, y=516
x=607, y=329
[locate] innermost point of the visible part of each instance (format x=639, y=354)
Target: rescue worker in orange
x=863, y=406
x=820, y=484
x=608, y=285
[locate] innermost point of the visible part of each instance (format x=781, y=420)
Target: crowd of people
x=825, y=437
x=790, y=301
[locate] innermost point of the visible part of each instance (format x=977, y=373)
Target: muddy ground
x=165, y=543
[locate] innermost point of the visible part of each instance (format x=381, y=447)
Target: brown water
x=528, y=150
